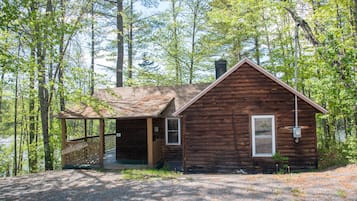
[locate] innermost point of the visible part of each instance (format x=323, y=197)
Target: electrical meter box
x=297, y=132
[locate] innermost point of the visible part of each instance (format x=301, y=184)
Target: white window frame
x=167, y=131
x=253, y=135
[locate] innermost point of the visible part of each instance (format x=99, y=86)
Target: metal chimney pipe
x=221, y=67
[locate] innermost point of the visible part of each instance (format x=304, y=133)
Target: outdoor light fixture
x=156, y=129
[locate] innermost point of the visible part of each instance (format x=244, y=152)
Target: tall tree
x=199, y=49
x=41, y=47
x=92, y=51
x=15, y=123
x=120, y=44
x=130, y=40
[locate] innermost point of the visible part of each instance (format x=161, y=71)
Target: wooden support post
x=64, y=139
x=101, y=143
x=85, y=129
x=150, y=148
x=183, y=131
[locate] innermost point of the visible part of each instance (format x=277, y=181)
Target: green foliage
x=281, y=162
x=342, y=194
x=279, y=158
x=178, y=44
x=331, y=157
x=296, y=192
x=5, y=161
x=350, y=149
x=145, y=174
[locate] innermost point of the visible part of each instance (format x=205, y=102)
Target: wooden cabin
x=238, y=122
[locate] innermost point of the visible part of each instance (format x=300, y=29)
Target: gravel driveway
x=336, y=184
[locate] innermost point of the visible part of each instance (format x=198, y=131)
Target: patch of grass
x=341, y=194
x=145, y=174
x=277, y=192
x=101, y=170
x=296, y=192
x=251, y=189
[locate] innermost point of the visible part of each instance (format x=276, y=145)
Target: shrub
x=331, y=157
x=281, y=161
x=350, y=149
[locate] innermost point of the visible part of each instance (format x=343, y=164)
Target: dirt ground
x=334, y=184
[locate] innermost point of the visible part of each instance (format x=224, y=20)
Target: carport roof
x=133, y=102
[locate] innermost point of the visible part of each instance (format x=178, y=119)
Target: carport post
x=150, y=142
x=101, y=143
x=85, y=129
x=64, y=139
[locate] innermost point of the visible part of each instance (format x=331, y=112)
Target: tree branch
x=305, y=26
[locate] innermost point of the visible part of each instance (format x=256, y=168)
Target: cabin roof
x=258, y=68
x=133, y=102
x=153, y=101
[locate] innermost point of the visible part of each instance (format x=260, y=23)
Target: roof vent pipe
x=221, y=67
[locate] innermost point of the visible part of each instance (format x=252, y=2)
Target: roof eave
x=114, y=117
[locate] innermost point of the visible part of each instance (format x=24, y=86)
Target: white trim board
x=254, y=154
x=178, y=131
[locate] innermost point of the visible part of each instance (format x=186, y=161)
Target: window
x=263, y=135
x=173, y=131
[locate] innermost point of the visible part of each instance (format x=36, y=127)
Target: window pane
x=263, y=127
x=263, y=135
x=172, y=124
x=263, y=145
x=172, y=136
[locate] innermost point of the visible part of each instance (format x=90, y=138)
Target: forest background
x=57, y=52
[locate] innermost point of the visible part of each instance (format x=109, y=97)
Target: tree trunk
x=176, y=47
x=43, y=96
x=120, y=44
x=256, y=46
x=130, y=42
x=193, y=40
x=24, y=135
x=22, y=131
x=326, y=133
x=237, y=48
x=270, y=53
x=43, y=92
x=1, y=91
x=32, y=111
x=61, y=64
x=304, y=25
x=92, y=51
x=355, y=17
x=15, y=122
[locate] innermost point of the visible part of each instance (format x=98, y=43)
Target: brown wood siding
x=217, y=132
x=173, y=153
x=169, y=152
x=132, y=145
x=159, y=137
